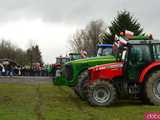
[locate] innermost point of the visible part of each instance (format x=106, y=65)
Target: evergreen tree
x=125, y=21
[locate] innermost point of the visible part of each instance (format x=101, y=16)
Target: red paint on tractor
x=106, y=71
x=146, y=70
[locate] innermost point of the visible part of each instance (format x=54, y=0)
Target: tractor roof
x=104, y=45
x=74, y=53
x=140, y=42
x=62, y=57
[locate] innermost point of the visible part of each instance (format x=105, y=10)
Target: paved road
x=25, y=80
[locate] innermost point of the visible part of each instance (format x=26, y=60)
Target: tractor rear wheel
x=101, y=93
x=152, y=88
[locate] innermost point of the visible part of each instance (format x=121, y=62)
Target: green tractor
x=62, y=60
x=73, y=72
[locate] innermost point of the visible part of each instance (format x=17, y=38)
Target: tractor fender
x=147, y=69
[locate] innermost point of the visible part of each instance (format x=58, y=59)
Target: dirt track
x=25, y=80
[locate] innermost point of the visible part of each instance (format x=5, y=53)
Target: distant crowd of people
x=8, y=70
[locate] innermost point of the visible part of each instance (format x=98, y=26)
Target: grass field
x=48, y=102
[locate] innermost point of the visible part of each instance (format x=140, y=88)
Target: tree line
x=20, y=56
x=97, y=31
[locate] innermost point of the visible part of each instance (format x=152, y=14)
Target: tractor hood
x=115, y=65
x=106, y=71
x=92, y=60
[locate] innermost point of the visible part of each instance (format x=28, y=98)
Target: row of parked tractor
x=127, y=69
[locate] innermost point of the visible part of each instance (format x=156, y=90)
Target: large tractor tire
x=152, y=88
x=81, y=78
x=101, y=93
x=143, y=97
x=83, y=85
x=76, y=91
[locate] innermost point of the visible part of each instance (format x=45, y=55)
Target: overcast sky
x=51, y=23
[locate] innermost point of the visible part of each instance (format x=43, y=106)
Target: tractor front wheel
x=101, y=93
x=83, y=85
x=153, y=88
x=78, y=88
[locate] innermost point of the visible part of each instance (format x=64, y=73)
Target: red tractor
x=135, y=74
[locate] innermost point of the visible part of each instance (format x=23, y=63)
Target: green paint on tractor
x=71, y=70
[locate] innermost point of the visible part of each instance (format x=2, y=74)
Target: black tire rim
x=156, y=89
x=101, y=95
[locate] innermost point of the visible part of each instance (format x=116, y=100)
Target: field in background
x=21, y=101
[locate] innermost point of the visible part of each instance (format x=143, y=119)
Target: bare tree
x=22, y=57
x=34, y=55
x=88, y=37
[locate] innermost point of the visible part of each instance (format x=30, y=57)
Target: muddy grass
x=47, y=102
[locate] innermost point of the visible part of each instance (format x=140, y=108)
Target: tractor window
x=65, y=60
x=124, y=55
x=156, y=50
x=62, y=60
x=75, y=57
x=139, y=57
x=140, y=53
x=99, y=52
x=104, y=51
x=107, y=51
x=58, y=61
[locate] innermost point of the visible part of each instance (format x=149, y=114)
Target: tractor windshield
x=65, y=60
x=58, y=60
x=75, y=56
x=104, y=51
x=156, y=51
x=61, y=60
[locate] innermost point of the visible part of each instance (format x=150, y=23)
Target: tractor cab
x=104, y=49
x=139, y=54
x=62, y=60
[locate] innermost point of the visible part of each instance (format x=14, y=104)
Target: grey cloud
x=66, y=9
x=79, y=11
